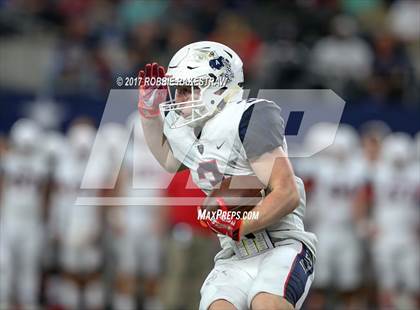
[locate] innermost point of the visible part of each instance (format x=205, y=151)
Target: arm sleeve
x=261, y=128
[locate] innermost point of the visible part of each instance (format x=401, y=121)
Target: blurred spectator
x=392, y=79
x=404, y=19
x=232, y=30
x=206, y=15
x=92, y=42
x=282, y=62
x=180, y=34
x=136, y=13
x=343, y=58
x=145, y=44
x=80, y=63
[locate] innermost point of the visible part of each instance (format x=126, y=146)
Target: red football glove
x=151, y=94
x=229, y=226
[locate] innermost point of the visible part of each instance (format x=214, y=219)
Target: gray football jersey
x=242, y=130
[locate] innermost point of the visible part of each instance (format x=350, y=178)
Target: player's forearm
x=279, y=203
x=158, y=145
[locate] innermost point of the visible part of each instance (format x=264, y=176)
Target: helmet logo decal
x=217, y=63
x=228, y=75
x=221, y=62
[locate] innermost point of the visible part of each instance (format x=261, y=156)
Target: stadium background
x=59, y=59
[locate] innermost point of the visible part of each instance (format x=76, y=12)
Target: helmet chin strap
x=232, y=94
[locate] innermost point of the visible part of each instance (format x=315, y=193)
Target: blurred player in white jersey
x=372, y=135
x=21, y=214
x=416, y=157
x=307, y=168
x=137, y=235
x=207, y=127
x=396, y=219
x=54, y=147
x=335, y=184
x=77, y=228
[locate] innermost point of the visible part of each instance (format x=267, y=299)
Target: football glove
x=225, y=225
x=151, y=93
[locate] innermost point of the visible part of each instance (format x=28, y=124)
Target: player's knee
x=221, y=304
x=263, y=301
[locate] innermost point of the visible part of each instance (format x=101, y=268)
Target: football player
x=77, y=228
x=307, y=167
x=137, y=253
x=396, y=223
x=207, y=127
x=372, y=134
x=333, y=201
x=22, y=204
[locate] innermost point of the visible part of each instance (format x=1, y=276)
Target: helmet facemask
x=204, y=102
x=188, y=112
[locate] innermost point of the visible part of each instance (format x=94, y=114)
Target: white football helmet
x=212, y=67
x=25, y=135
x=397, y=149
x=346, y=143
x=114, y=136
x=81, y=138
x=319, y=138
x=54, y=145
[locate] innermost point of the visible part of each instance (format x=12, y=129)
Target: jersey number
x=208, y=170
